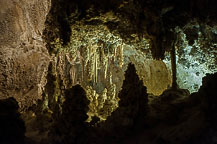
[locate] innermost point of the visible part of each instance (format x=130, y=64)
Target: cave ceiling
x=154, y=20
x=138, y=31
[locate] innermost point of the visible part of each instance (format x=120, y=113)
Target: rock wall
x=23, y=56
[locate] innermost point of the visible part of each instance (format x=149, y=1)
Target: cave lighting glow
x=192, y=62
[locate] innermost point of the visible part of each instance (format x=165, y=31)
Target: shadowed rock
x=12, y=128
x=70, y=127
x=128, y=117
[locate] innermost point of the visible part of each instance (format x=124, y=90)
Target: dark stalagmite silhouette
x=12, y=127
x=70, y=127
x=132, y=109
x=209, y=96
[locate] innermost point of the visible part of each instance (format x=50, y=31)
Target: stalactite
x=102, y=54
x=115, y=51
x=96, y=68
x=106, y=68
x=88, y=53
x=93, y=68
x=120, y=50
x=82, y=68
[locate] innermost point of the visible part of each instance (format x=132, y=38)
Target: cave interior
x=108, y=72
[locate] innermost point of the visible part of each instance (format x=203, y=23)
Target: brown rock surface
x=23, y=56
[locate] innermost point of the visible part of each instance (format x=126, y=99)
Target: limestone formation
x=23, y=57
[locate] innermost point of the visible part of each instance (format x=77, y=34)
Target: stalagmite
x=93, y=68
x=173, y=64
x=106, y=68
x=120, y=48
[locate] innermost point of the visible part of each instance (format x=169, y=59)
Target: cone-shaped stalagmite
x=132, y=105
x=133, y=93
x=70, y=127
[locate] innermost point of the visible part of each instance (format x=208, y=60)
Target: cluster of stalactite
x=91, y=59
x=93, y=48
x=92, y=68
x=70, y=125
x=97, y=59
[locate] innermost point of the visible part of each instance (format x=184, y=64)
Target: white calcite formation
x=196, y=60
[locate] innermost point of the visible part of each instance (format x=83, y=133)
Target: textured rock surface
x=23, y=56
x=196, y=55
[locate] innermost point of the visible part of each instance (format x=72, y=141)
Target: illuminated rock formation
x=194, y=61
x=23, y=58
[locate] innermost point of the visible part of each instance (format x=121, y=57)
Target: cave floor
x=169, y=120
